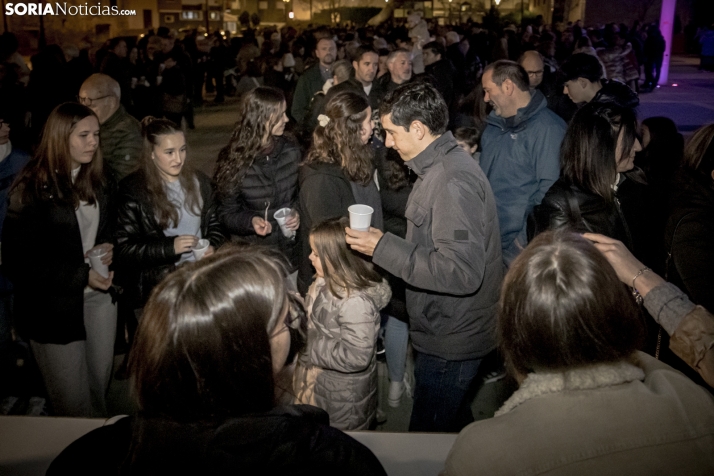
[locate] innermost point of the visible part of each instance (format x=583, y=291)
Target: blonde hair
x=697, y=148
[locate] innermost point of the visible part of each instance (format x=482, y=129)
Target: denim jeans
x=442, y=393
x=396, y=340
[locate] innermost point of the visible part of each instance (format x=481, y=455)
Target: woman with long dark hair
x=338, y=171
x=164, y=209
x=214, y=336
x=58, y=214
x=598, y=150
x=257, y=174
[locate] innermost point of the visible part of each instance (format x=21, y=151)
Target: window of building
x=192, y=15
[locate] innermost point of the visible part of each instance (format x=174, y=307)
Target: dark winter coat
x=451, y=257
x=325, y=192
x=691, y=214
x=144, y=255
x=615, y=92
x=42, y=255
x=121, y=143
x=272, y=181
x=566, y=205
x=288, y=440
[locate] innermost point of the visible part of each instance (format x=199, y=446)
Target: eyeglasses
x=89, y=101
x=535, y=73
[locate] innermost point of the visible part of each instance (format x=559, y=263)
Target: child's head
x=333, y=260
x=468, y=138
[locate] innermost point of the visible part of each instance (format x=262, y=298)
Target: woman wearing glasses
x=58, y=213
x=213, y=337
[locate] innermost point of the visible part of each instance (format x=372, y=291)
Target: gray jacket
x=338, y=370
x=451, y=257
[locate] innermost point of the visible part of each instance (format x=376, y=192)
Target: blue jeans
x=396, y=340
x=442, y=393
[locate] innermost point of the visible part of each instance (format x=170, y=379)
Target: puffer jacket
x=144, y=255
x=338, y=370
x=521, y=158
x=615, y=92
x=272, y=181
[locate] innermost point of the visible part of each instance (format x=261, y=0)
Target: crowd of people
x=513, y=192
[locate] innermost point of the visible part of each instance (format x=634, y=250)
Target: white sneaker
x=396, y=390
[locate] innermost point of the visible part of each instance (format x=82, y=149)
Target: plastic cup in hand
x=281, y=216
x=95, y=261
x=200, y=249
x=360, y=217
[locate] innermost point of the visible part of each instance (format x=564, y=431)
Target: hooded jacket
x=451, y=257
x=615, y=92
x=338, y=371
x=521, y=158
x=325, y=192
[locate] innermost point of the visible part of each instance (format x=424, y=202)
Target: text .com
x=47, y=9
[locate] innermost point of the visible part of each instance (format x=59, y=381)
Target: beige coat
x=640, y=418
x=338, y=370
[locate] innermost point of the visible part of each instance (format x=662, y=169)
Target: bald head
x=532, y=62
x=101, y=94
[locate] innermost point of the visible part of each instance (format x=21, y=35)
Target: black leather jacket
x=565, y=205
x=144, y=256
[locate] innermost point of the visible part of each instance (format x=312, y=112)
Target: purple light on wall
x=666, y=21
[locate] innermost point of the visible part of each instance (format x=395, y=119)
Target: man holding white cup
x=451, y=257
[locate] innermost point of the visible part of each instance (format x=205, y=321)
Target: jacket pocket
x=416, y=214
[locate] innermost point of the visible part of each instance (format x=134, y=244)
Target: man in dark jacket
x=121, y=142
x=440, y=69
x=314, y=78
x=582, y=75
x=365, y=64
x=450, y=259
x=520, y=149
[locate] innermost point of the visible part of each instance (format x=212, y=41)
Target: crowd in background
x=467, y=141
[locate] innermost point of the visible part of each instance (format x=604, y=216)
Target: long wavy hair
x=588, y=152
x=339, y=141
x=50, y=171
x=167, y=212
x=259, y=113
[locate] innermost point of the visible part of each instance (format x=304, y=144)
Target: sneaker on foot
x=396, y=390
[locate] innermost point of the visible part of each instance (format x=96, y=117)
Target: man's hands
x=363, y=241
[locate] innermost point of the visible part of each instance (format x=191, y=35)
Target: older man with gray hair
x=120, y=133
x=399, y=64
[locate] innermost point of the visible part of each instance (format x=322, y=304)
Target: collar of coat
x=584, y=378
x=426, y=158
x=518, y=122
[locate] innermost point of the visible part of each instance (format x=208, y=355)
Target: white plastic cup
x=360, y=217
x=281, y=216
x=95, y=261
x=200, y=249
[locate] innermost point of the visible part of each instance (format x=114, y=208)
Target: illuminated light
x=497, y=2
x=291, y=15
x=675, y=85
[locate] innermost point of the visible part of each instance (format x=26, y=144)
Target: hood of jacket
x=379, y=293
x=538, y=101
x=321, y=168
